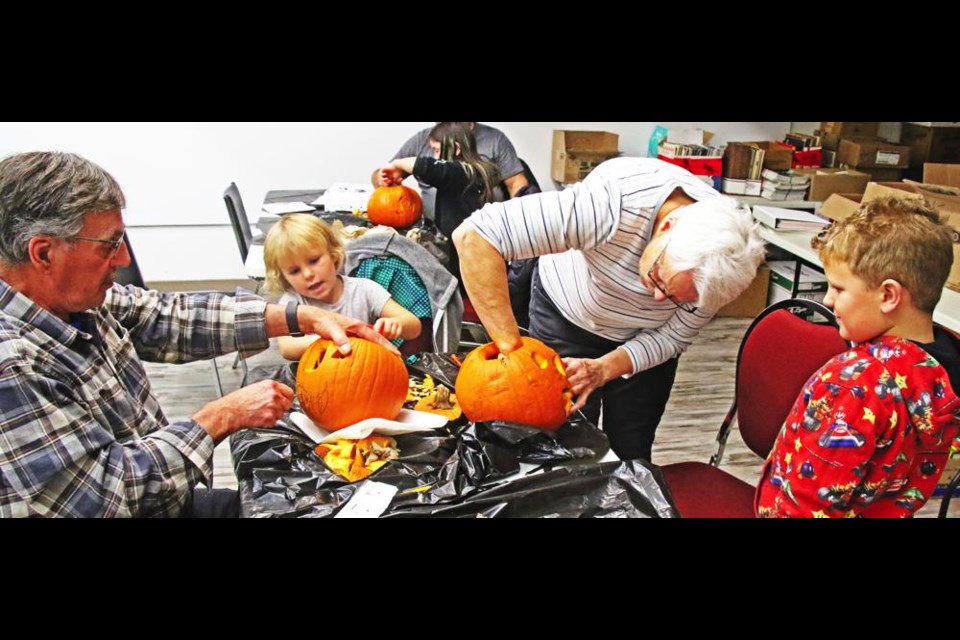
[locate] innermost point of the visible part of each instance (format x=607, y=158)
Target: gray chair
x=238, y=219
x=131, y=273
x=242, y=232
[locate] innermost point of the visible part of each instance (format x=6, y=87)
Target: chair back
x=778, y=353
x=407, y=288
x=238, y=219
x=130, y=274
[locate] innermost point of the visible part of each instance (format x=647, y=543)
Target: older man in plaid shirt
x=81, y=434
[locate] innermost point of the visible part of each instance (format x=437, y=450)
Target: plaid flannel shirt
x=81, y=433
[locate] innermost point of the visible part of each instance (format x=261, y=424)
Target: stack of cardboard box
x=930, y=142
x=944, y=197
x=857, y=145
x=577, y=153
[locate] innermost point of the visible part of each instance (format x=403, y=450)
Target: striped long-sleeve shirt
x=590, y=237
x=81, y=433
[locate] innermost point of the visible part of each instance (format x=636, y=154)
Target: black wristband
x=292, y=324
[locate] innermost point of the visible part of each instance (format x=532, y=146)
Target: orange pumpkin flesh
x=441, y=402
x=337, y=390
x=396, y=206
x=528, y=385
x=357, y=459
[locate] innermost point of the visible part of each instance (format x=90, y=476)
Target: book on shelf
x=788, y=219
x=802, y=141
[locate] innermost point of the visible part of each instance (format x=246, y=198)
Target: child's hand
x=391, y=175
x=389, y=328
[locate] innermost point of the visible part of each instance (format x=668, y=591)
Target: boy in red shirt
x=872, y=429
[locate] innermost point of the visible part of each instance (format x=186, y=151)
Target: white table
x=813, y=205
x=947, y=313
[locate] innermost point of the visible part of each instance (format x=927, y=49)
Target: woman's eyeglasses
x=685, y=306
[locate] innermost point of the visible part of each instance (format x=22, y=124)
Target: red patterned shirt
x=868, y=436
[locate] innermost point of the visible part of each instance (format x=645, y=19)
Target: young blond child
x=871, y=430
x=303, y=258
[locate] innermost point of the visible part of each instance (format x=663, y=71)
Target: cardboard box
x=944, y=200
x=777, y=156
x=577, y=153
x=812, y=285
x=883, y=175
x=929, y=144
x=752, y=301
x=840, y=206
x=831, y=132
x=825, y=182
x=689, y=136
x=851, y=129
x=944, y=174
x=873, y=152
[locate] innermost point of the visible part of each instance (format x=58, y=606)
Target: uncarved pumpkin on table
x=337, y=390
x=528, y=385
x=396, y=206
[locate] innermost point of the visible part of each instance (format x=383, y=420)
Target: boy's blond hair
x=903, y=239
x=297, y=234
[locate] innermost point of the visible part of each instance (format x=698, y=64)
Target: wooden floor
x=701, y=397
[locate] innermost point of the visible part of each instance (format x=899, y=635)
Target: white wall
x=174, y=173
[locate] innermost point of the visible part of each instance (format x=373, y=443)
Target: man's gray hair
x=50, y=193
x=719, y=242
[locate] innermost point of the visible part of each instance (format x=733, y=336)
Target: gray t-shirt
x=491, y=143
x=361, y=299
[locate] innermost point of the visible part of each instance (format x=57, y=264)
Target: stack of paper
x=788, y=219
x=281, y=208
x=343, y=196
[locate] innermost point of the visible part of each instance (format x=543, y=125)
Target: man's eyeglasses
x=114, y=244
x=685, y=306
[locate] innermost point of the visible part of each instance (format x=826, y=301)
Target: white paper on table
x=370, y=501
x=345, y=196
x=280, y=208
x=409, y=421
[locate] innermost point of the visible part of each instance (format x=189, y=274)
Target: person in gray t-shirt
x=491, y=143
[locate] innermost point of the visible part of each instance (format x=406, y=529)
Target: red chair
x=779, y=352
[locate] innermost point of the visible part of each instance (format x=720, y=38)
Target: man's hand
x=325, y=324
x=258, y=405
x=336, y=327
x=584, y=375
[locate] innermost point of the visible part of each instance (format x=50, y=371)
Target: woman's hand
x=585, y=375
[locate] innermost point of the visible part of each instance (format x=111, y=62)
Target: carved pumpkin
x=397, y=206
x=528, y=385
x=337, y=390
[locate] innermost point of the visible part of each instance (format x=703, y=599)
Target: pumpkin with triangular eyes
x=337, y=390
x=528, y=385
